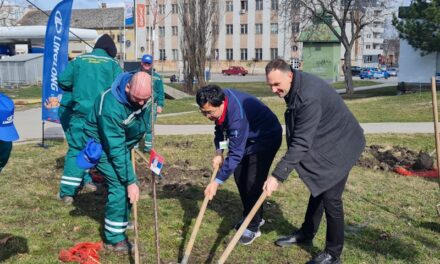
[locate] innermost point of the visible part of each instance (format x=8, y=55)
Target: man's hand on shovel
x=211, y=190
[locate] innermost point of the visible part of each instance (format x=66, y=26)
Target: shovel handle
x=197, y=224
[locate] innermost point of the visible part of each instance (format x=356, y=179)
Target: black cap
x=106, y=43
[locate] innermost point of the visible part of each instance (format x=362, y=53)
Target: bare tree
x=196, y=17
x=350, y=16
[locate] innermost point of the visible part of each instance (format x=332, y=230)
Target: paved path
x=29, y=127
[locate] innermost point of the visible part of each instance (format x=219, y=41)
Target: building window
x=368, y=58
x=259, y=54
x=229, y=29
x=243, y=29
x=274, y=28
x=258, y=28
x=294, y=48
x=243, y=54
x=295, y=28
x=147, y=7
x=174, y=9
x=274, y=4
x=162, y=9
x=175, y=54
x=229, y=6
x=162, y=31
x=162, y=55
x=259, y=5
x=244, y=5
x=367, y=46
x=217, y=54
x=175, y=30
x=368, y=35
x=215, y=29
x=273, y=53
x=229, y=54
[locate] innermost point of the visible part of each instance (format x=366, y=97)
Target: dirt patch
x=385, y=158
x=177, y=176
x=185, y=144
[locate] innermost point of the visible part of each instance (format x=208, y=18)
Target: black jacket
x=324, y=139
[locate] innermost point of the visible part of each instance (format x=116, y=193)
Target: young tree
x=350, y=16
x=419, y=24
x=197, y=18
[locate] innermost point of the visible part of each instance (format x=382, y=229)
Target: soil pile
x=386, y=158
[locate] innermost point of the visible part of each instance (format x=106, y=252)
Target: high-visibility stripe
x=102, y=101
x=115, y=230
x=71, y=178
x=71, y=183
x=115, y=223
x=95, y=57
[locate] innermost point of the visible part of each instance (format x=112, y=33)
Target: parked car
x=392, y=71
x=355, y=70
x=235, y=70
x=373, y=73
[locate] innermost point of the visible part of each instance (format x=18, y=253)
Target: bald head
x=139, y=89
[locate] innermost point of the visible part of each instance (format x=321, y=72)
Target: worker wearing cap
x=8, y=132
x=118, y=120
x=159, y=94
x=85, y=77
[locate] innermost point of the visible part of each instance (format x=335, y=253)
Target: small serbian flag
x=156, y=162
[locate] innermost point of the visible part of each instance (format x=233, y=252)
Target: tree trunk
x=348, y=78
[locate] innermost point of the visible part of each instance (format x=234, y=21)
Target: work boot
x=123, y=247
x=249, y=236
x=237, y=225
x=68, y=200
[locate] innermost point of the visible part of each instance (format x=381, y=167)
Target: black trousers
x=250, y=175
x=329, y=201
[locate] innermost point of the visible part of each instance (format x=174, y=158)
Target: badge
x=224, y=144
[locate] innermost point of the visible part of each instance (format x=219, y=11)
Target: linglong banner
x=55, y=58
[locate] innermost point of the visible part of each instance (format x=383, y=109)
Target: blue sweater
x=249, y=125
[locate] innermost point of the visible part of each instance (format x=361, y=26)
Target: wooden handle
x=243, y=226
x=436, y=128
x=135, y=225
x=197, y=224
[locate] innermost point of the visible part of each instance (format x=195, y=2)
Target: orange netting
x=423, y=173
x=83, y=253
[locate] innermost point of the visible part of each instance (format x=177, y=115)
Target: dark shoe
x=123, y=247
x=324, y=258
x=297, y=237
x=237, y=225
x=249, y=236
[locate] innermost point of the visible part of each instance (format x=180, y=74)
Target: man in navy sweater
x=252, y=135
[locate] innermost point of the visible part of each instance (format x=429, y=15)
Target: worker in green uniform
x=159, y=94
x=118, y=121
x=8, y=132
x=85, y=77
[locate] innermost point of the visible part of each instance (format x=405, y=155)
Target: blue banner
x=55, y=58
x=129, y=6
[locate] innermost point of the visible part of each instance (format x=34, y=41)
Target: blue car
x=373, y=73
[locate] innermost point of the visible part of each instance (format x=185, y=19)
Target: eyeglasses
x=205, y=113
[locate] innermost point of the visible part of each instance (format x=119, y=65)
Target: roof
x=81, y=18
x=22, y=57
x=319, y=33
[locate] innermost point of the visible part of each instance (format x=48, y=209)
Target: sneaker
x=237, y=225
x=123, y=247
x=249, y=236
x=65, y=199
x=130, y=225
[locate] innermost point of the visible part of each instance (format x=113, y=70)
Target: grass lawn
x=389, y=218
x=378, y=105
x=27, y=92
x=260, y=89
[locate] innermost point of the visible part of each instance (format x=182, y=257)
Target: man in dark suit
x=324, y=142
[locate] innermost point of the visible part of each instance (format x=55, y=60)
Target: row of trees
x=345, y=19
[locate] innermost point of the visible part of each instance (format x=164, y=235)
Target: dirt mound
x=180, y=174
x=385, y=158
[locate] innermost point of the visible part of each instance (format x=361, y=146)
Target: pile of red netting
x=406, y=171
x=83, y=253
